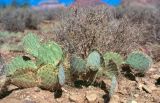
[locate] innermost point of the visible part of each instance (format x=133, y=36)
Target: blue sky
x=66, y=2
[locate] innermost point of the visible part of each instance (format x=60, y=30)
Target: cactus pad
x=17, y=64
x=113, y=56
x=61, y=75
x=78, y=65
x=48, y=77
x=94, y=61
x=113, y=86
x=139, y=61
x=50, y=53
x=24, y=79
x=31, y=44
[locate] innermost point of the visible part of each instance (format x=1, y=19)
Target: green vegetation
x=47, y=71
x=139, y=61
x=25, y=73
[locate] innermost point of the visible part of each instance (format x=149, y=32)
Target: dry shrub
x=52, y=14
x=84, y=29
x=33, y=19
x=17, y=19
x=146, y=15
x=14, y=20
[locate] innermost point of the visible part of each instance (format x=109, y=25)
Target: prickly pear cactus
x=139, y=61
x=50, y=53
x=19, y=64
x=48, y=77
x=113, y=56
x=94, y=61
x=78, y=65
x=46, y=73
x=31, y=44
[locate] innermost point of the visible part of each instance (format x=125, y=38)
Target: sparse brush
x=97, y=27
x=139, y=61
x=14, y=19
x=52, y=14
x=33, y=19
x=145, y=15
x=18, y=19
x=79, y=29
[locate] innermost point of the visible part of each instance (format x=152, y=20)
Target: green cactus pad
x=113, y=56
x=48, y=77
x=94, y=61
x=78, y=65
x=50, y=53
x=113, y=86
x=17, y=64
x=61, y=75
x=24, y=79
x=139, y=61
x=31, y=44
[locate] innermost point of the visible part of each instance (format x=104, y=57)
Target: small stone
x=36, y=89
x=136, y=95
x=64, y=90
x=133, y=101
x=156, y=99
x=91, y=97
x=156, y=76
x=147, y=89
x=140, y=85
x=76, y=98
x=114, y=99
x=28, y=101
x=12, y=87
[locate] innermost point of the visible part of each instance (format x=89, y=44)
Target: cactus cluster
x=47, y=72
x=87, y=66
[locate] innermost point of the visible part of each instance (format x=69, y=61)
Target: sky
x=66, y=2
